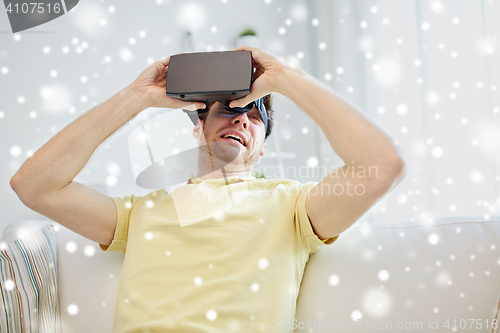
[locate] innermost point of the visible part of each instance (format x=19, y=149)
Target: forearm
x=60, y=160
x=351, y=134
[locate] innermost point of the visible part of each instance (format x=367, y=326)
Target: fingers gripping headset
x=213, y=76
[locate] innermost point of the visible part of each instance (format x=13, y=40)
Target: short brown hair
x=268, y=104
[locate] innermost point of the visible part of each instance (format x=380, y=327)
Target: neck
x=211, y=167
x=222, y=173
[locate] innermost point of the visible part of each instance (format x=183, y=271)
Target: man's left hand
x=268, y=71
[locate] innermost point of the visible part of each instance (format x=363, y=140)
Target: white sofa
x=424, y=272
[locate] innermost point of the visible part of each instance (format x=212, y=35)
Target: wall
x=54, y=73
x=426, y=73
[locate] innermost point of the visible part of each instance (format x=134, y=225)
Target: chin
x=224, y=153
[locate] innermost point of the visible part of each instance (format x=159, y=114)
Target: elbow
x=393, y=172
x=14, y=183
x=395, y=164
x=399, y=167
x=397, y=173
x=20, y=189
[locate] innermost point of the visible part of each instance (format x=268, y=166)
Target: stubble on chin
x=221, y=154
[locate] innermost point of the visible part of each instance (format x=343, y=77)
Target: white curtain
x=428, y=74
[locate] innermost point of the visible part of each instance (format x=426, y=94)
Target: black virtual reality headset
x=212, y=77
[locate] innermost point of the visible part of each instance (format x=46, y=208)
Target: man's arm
x=45, y=183
x=345, y=194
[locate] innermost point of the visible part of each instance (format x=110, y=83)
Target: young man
x=225, y=252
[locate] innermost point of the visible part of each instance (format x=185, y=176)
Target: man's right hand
x=151, y=85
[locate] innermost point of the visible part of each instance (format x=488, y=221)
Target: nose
x=242, y=119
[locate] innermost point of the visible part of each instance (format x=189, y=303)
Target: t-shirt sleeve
x=124, y=207
x=304, y=230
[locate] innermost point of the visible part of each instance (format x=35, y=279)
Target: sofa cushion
x=444, y=271
x=88, y=283
x=28, y=282
x=87, y=277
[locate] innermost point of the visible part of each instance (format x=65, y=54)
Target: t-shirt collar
x=229, y=180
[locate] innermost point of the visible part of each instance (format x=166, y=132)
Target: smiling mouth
x=235, y=138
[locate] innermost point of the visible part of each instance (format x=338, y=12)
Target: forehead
x=215, y=104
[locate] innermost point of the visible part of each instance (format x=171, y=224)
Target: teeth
x=235, y=137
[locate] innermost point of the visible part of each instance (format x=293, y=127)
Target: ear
x=261, y=153
x=198, y=130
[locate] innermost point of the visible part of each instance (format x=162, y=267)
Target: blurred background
x=426, y=72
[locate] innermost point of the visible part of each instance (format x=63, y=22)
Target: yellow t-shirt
x=219, y=255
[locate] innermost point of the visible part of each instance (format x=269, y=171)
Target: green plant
x=248, y=32
x=258, y=174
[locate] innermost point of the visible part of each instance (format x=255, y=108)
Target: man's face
x=238, y=133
